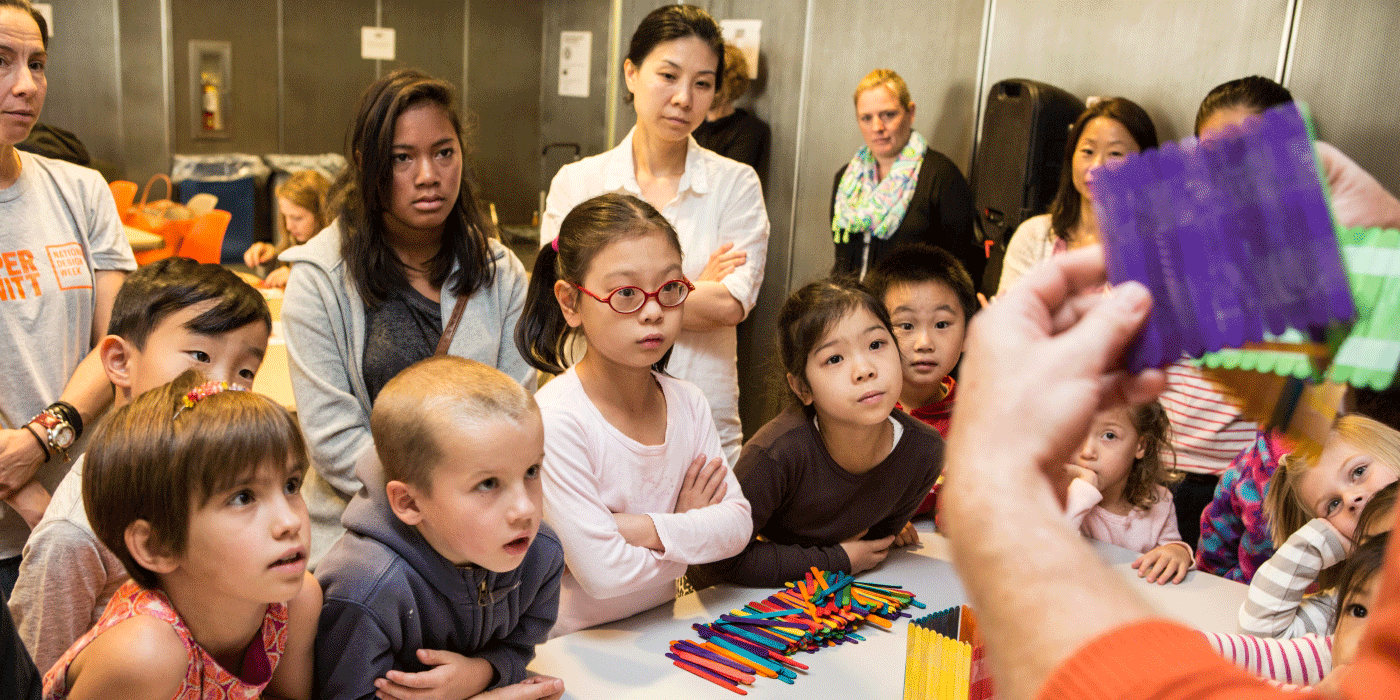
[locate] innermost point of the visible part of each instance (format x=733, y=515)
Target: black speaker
x=1017, y=168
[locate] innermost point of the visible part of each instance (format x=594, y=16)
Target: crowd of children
x=174, y=559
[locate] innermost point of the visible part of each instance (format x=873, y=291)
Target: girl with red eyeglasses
x=636, y=484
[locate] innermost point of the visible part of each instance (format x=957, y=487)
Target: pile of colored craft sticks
x=824, y=609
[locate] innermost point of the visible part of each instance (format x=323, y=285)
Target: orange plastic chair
x=124, y=193
x=205, y=241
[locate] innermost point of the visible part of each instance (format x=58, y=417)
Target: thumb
x=1097, y=341
x=432, y=657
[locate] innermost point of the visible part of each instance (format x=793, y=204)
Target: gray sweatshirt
x=388, y=593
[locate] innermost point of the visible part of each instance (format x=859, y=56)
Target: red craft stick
x=719, y=668
x=728, y=685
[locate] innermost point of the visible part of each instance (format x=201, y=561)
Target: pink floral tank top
x=205, y=679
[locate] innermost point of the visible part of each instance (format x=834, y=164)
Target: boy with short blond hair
x=445, y=578
x=169, y=316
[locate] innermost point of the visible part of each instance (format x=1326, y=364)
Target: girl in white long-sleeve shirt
x=635, y=482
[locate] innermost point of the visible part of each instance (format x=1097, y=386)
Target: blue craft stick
x=778, y=613
x=757, y=636
x=709, y=634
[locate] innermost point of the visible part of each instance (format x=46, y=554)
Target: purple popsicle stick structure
x=1233, y=237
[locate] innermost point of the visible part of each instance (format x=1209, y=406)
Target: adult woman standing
x=1107, y=131
x=896, y=189
x=715, y=204
x=409, y=269
x=63, y=256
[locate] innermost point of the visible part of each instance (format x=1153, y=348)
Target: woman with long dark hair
x=408, y=269
x=1106, y=132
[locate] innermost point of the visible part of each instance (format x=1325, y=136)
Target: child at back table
x=444, y=581
x=834, y=479
x=172, y=315
x=634, y=478
x=1118, y=493
x=196, y=488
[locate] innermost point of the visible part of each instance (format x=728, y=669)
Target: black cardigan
x=941, y=213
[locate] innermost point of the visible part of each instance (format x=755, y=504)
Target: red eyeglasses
x=627, y=300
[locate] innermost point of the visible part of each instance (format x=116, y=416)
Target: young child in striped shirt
x=1314, y=502
x=1307, y=660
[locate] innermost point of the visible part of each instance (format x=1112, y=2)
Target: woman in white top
x=1107, y=131
x=715, y=204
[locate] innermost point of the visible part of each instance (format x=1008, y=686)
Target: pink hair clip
x=555, y=244
x=204, y=391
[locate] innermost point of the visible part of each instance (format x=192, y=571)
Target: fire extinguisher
x=213, y=120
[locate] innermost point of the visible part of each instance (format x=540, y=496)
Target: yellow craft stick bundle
x=938, y=655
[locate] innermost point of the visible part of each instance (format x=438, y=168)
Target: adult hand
x=1164, y=564
x=1038, y=363
x=258, y=253
x=20, y=457
x=452, y=677
x=703, y=486
x=867, y=554
x=1357, y=198
x=722, y=262
x=1047, y=358
x=277, y=279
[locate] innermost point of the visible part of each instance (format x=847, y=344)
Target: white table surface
x=626, y=659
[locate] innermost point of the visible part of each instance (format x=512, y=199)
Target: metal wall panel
x=1164, y=56
x=252, y=109
x=83, y=94
x=145, y=107
x=1343, y=67
x=573, y=119
x=429, y=34
x=323, y=74
x=504, y=56
x=933, y=46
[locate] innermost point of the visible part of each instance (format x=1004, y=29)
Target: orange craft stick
x=762, y=670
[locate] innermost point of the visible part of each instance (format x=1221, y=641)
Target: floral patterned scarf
x=863, y=204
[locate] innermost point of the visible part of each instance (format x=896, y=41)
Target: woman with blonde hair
x=302, y=203
x=897, y=189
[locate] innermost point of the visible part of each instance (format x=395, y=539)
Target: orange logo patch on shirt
x=19, y=276
x=69, y=266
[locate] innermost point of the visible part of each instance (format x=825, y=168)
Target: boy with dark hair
x=445, y=579
x=930, y=297
x=169, y=316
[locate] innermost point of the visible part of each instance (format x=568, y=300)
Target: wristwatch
x=58, y=429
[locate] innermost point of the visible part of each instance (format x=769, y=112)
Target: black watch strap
x=71, y=415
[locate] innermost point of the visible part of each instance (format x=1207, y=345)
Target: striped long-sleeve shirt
x=1275, y=605
x=1207, y=428
x=1300, y=661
